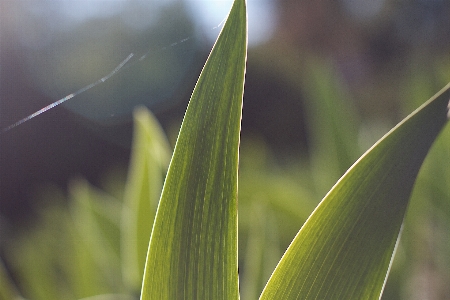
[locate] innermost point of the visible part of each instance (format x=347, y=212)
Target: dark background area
x=370, y=48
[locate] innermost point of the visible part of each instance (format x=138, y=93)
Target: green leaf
x=63, y=256
x=110, y=297
x=149, y=160
x=95, y=218
x=7, y=288
x=39, y=257
x=193, y=246
x=332, y=122
x=344, y=250
x=263, y=250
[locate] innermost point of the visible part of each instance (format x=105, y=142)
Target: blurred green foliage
x=77, y=249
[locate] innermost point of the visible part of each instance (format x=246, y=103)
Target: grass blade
x=193, y=246
x=345, y=248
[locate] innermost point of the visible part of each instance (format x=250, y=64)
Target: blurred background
x=325, y=80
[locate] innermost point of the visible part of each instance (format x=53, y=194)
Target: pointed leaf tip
x=193, y=245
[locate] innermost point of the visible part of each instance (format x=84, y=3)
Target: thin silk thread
x=88, y=87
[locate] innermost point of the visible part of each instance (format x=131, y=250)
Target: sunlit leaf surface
x=345, y=248
x=193, y=246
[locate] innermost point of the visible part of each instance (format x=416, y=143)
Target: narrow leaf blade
x=344, y=250
x=149, y=160
x=193, y=246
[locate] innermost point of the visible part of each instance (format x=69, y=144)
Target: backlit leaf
x=344, y=249
x=193, y=246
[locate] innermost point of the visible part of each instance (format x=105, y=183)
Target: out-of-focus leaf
x=150, y=158
x=96, y=220
x=110, y=297
x=8, y=290
x=262, y=253
x=273, y=205
x=193, y=246
x=34, y=255
x=333, y=124
x=54, y=260
x=345, y=248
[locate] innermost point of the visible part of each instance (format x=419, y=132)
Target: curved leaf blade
x=345, y=248
x=193, y=246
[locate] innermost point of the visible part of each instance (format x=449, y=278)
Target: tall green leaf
x=149, y=160
x=193, y=246
x=345, y=248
